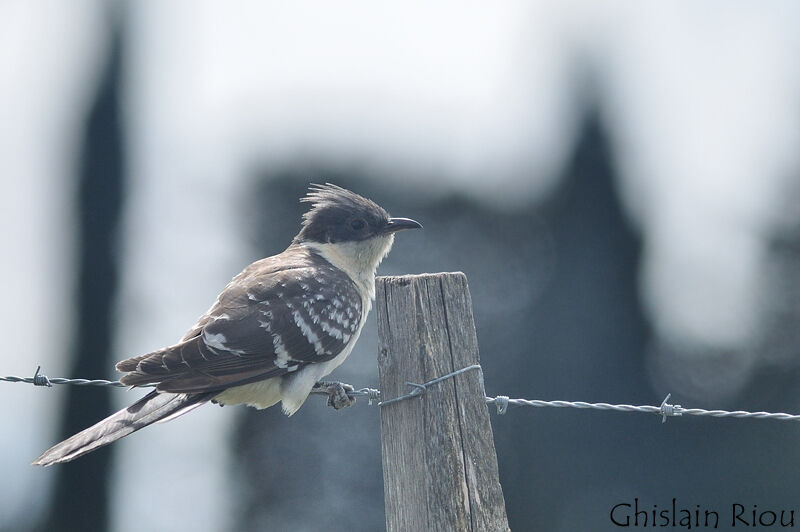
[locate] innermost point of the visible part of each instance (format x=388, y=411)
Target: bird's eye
x=357, y=224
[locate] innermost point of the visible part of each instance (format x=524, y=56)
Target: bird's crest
x=327, y=196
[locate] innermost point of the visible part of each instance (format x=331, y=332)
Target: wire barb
x=501, y=401
x=371, y=394
x=668, y=410
x=39, y=379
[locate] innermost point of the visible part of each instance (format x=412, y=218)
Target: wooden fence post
x=439, y=461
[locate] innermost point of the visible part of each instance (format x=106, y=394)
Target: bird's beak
x=400, y=224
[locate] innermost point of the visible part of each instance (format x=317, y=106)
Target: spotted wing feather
x=264, y=324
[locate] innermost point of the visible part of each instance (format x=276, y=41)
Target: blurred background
x=620, y=181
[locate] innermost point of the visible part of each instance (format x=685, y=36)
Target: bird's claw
x=336, y=392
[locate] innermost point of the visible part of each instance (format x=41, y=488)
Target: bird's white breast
x=261, y=394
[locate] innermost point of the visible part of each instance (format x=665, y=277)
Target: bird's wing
x=264, y=324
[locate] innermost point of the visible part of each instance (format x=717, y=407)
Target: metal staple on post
x=420, y=389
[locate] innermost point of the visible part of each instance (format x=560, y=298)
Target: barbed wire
x=502, y=402
x=39, y=379
x=665, y=410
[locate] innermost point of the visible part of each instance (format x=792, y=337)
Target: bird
x=273, y=333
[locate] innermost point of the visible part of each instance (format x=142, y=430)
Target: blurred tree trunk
x=80, y=498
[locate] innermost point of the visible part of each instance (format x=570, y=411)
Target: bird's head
x=355, y=229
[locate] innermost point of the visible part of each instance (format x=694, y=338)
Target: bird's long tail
x=151, y=408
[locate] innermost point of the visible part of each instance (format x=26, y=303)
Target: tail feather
x=149, y=409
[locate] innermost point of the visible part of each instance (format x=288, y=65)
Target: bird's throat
x=359, y=260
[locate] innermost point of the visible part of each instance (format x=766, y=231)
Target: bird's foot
x=336, y=392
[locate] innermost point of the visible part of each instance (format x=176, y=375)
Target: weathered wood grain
x=439, y=460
